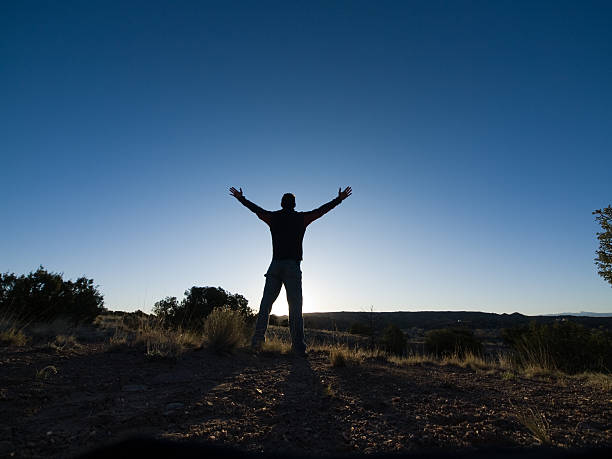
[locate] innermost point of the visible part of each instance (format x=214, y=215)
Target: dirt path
x=276, y=402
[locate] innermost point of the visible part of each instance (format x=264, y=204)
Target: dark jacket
x=288, y=227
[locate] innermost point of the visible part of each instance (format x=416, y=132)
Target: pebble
x=134, y=388
x=171, y=407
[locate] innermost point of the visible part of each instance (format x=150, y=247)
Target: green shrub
x=393, y=340
x=198, y=303
x=446, y=342
x=45, y=296
x=566, y=346
x=224, y=330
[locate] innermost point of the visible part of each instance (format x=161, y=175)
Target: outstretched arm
x=261, y=213
x=311, y=216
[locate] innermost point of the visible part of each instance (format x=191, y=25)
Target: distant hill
x=428, y=320
x=583, y=314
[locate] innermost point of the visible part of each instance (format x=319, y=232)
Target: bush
x=274, y=320
x=393, y=340
x=445, y=342
x=12, y=337
x=566, y=346
x=359, y=328
x=224, y=329
x=44, y=296
x=198, y=303
x=133, y=320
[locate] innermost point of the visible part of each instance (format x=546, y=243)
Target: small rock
x=174, y=406
x=6, y=447
x=134, y=388
x=171, y=407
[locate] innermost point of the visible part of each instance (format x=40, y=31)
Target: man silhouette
x=287, y=227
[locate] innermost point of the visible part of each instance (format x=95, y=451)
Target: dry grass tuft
x=165, y=343
x=11, y=334
x=599, y=381
x=118, y=340
x=13, y=337
x=342, y=356
x=63, y=342
x=158, y=342
x=506, y=362
x=468, y=360
x=45, y=372
x=338, y=357
x=412, y=359
x=224, y=330
x=276, y=345
x=533, y=369
x=536, y=423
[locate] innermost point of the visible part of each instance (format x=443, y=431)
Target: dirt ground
x=57, y=403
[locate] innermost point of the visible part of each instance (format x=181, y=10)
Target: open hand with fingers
x=344, y=194
x=235, y=193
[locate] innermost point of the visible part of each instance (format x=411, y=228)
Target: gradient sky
x=477, y=138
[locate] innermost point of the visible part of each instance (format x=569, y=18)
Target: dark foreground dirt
x=275, y=403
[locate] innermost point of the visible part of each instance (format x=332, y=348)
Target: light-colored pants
x=281, y=272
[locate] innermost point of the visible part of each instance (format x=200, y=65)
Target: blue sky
x=476, y=136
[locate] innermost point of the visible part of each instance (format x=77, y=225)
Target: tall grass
x=11, y=333
x=468, y=360
x=276, y=345
x=164, y=343
x=224, y=330
x=148, y=333
x=342, y=356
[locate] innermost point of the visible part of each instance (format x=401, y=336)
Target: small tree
x=604, y=254
x=393, y=340
x=166, y=309
x=198, y=303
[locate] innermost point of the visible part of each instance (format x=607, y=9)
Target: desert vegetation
x=187, y=372
x=198, y=304
x=204, y=383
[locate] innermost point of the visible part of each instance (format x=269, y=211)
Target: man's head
x=288, y=201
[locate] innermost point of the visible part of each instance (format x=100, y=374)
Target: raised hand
x=235, y=193
x=344, y=194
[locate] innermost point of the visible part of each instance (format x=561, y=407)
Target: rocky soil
x=57, y=403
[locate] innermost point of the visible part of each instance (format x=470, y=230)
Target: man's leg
x=271, y=291
x=293, y=286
